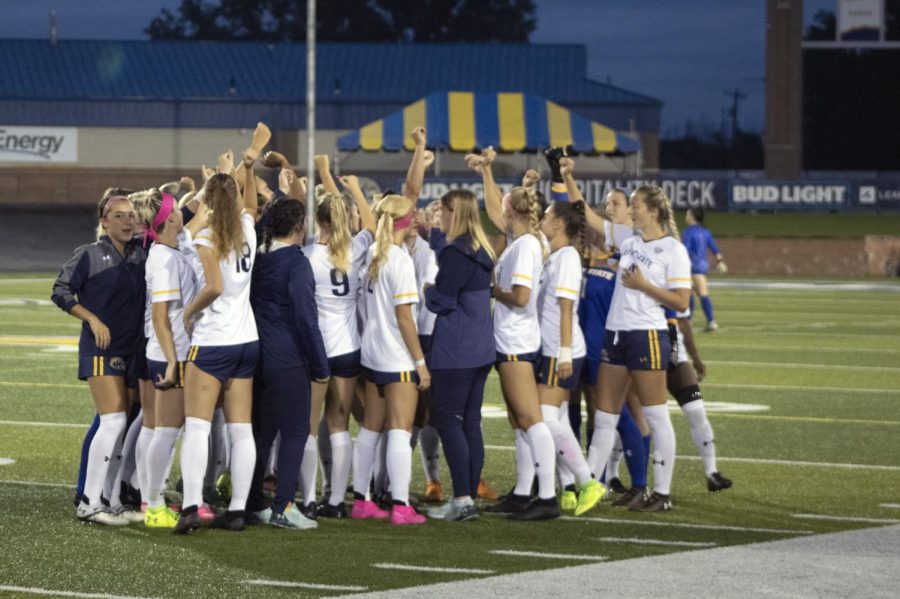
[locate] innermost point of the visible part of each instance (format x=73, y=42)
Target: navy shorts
x=99, y=365
x=637, y=350
x=702, y=269
x=158, y=372
x=386, y=378
x=142, y=368
x=547, y=374
x=345, y=366
x=226, y=361
x=533, y=357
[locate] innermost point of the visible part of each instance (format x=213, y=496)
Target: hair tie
x=507, y=203
x=404, y=222
x=165, y=209
x=108, y=205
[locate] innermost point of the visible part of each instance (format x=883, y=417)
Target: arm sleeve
x=402, y=277
x=72, y=276
x=455, y=272
x=302, y=289
x=163, y=276
x=186, y=214
x=678, y=271
x=568, y=279
x=437, y=240
x=522, y=267
x=711, y=243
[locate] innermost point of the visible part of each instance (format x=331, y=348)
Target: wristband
x=565, y=355
x=420, y=362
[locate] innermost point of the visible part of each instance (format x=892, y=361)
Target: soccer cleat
x=615, y=485
x=464, y=514
x=589, y=495
x=434, y=491
x=160, y=517
x=712, y=326
x=653, y=503
x=486, y=492
x=133, y=516
x=292, y=518
x=311, y=510
x=630, y=497
x=233, y=521
x=568, y=501
x=717, y=482
x=223, y=485
x=511, y=504
x=326, y=510
x=205, y=513
x=252, y=518
x=188, y=521
x=440, y=512
x=405, y=514
x=99, y=515
x=363, y=509
x=539, y=509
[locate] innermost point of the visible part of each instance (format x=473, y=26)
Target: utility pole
x=736, y=96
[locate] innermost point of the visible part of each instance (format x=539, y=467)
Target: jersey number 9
x=341, y=283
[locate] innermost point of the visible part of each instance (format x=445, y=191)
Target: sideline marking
x=893, y=506
x=639, y=541
x=412, y=568
x=37, y=591
x=32, y=340
x=569, y=556
x=23, y=301
x=843, y=350
x=846, y=518
x=47, y=424
x=799, y=388
x=804, y=365
x=812, y=419
x=32, y=483
x=7, y=461
x=780, y=531
x=804, y=286
x=20, y=281
x=51, y=385
x=305, y=585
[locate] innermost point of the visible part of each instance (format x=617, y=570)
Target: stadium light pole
x=310, y=113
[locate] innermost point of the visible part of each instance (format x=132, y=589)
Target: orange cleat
x=434, y=491
x=485, y=492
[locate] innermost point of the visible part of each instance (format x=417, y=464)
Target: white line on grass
x=812, y=286
x=20, y=281
x=893, y=506
x=7, y=461
x=638, y=541
x=846, y=518
x=780, y=531
x=37, y=591
x=569, y=556
x=842, y=350
x=412, y=568
x=44, y=424
x=305, y=585
x=799, y=388
x=31, y=483
x=796, y=365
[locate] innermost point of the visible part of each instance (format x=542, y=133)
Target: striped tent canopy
x=509, y=121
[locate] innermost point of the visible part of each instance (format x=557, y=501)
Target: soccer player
x=698, y=240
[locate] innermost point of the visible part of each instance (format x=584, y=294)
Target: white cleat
x=100, y=515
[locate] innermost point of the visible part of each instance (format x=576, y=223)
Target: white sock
x=379, y=467
x=363, y=459
x=602, y=441
x=399, y=463
x=567, y=451
x=112, y=486
x=615, y=458
x=194, y=455
x=171, y=458
x=100, y=455
x=524, y=465
x=129, y=451
x=272, y=466
x=243, y=461
x=341, y=457
x=140, y=457
x=325, y=458
x=309, y=465
x=701, y=433
x=663, y=447
x=544, y=452
x=430, y=447
x=565, y=475
x=158, y=458
x=218, y=448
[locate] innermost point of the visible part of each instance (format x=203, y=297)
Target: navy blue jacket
x=461, y=297
x=112, y=286
x=282, y=294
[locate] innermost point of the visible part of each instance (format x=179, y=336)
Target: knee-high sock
x=615, y=458
x=112, y=487
x=430, y=447
x=602, y=440
x=140, y=457
x=524, y=465
x=701, y=433
x=566, y=478
x=566, y=446
x=380, y=474
x=398, y=458
x=323, y=439
x=542, y=448
x=308, y=468
x=243, y=460
x=363, y=458
x=130, y=451
x=171, y=459
x=101, y=454
x=85, y=450
x=663, y=447
x=218, y=449
x=158, y=459
x=341, y=456
x=194, y=456
x=573, y=410
x=707, y=308
x=635, y=448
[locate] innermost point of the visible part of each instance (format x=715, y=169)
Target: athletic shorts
x=346, y=365
x=226, y=361
x=99, y=365
x=637, y=350
x=533, y=357
x=142, y=368
x=386, y=378
x=701, y=269
x=547, y=374
x=158, y=372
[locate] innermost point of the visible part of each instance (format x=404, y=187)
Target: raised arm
x=351, y=183
x=415, y=176
x=493, y=203
x=593, y=220
x=323, y=169
x=250, y=202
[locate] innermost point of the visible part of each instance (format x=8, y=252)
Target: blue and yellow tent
x=509, y=121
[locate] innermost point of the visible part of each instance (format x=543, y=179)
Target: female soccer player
x=102, y=285
x=654, y=271
x=394, y=363
x=697, y=239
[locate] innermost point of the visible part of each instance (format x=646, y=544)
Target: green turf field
x=799, y=224
x=804, y=397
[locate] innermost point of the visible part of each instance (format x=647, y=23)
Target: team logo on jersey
x=658, y=250
x=117, y=363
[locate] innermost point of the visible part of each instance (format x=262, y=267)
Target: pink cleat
x=363, y=509
x=205, y=513
x=405, y=514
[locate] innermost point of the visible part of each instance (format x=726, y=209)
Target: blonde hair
x=389, y=209
x=221, y=197
x=333, y=213
x=146, y=206
x=110, y=192
x=524, y=203
x=466, y=219
x=655, y=199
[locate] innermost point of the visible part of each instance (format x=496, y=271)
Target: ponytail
x=524, y=203
x=390, y=208
x=333, y=213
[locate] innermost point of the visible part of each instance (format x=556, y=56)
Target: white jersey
x=229, y=319
x=613, y=238
x=664, y=262
x=680, y=350
x=561, y=279
x=517, y=330
x=383, y=348
x=425, y=262
x=170, y=278
x=336, y=294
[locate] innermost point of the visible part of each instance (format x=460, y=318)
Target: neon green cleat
x=591, y=494
x=160, y=517
x=223, y=485
x=567, y=501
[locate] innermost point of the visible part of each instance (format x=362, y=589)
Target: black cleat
x=130, y=497
x=326, y=510
x=310, y=510
x=510, y=504
x=716, y=482
x=539, y=509
x=188, y=521
x=233, y=521
x=632, y=496
x=615, y=485
x=653, y=503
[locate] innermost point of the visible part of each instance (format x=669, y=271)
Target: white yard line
x=800, y=388
x=780, y=531
x=20, y=281
x=411, y=568
x=846, y=518
x=305, y=585
x=542, y=555
x=639, y=541
x=811, y=286
x=892, y=506
x=53, y=593
x=31, y=483
x=44, y=424
x=795, y=365
x=714, y=344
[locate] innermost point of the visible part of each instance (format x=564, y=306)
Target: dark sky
x=686, y=53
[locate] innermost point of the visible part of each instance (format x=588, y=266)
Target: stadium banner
x=38, y=144
x=882, y=196
x=797, y=195
x=860, y=20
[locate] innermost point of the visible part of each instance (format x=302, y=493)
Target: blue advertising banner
x=790, y=195
x=883, y=196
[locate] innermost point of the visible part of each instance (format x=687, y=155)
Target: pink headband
x=109, y=202
x=507, y=205
x=168, y=205
x=404, y=222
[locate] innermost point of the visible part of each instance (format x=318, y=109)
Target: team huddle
x=226, y=318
